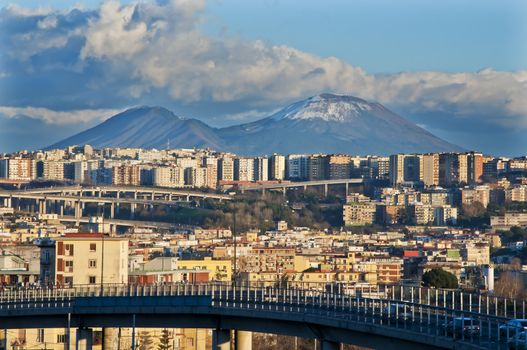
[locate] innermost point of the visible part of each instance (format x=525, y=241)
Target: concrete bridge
x=284, y=186
x=57, y=199
x=332, y=318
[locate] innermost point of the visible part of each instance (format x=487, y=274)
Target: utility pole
x=234, y=237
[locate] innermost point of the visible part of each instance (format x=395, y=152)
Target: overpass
x=57, y=199
x=331, y=317
x=302, y=184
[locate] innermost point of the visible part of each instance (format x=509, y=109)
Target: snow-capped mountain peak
x=327, y=107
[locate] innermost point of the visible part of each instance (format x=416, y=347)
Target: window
x=92, y=263
x=68, y=249
x=93, y=247
x=68, y=280
x=69, y=265
x=40, y=335
x=92, y=279
x=61, y=338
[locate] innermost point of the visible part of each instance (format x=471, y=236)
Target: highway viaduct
x=332, y=318
x=284, y=186
x=57, y=199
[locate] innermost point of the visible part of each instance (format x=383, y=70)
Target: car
x=512, y=327
x=518, y=342
x=462, y=326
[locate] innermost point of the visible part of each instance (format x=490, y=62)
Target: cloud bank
x=121, y=55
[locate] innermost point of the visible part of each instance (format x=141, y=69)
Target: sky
x=456, y=68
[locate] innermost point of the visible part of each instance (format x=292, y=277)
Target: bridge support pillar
x=347, y=188
x=112, y=210
x=329, y=345
x=132, y=211
x=84, y=339
x=78, y=210
x=326, y=190
x=244, y=340
x=221, y=339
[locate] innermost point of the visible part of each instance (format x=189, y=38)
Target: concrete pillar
x=244, y=340
x=109, y=338
x=112, y=210
x=135, y=195
x=84, y=339
x=284, y=189
x=132, y=211
x=221, y=339
x=329, y=345
x=326, y=190
x=347, y=188
x=78, y=211
x=61, y=208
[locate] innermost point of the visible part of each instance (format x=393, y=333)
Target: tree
x=439, y=278
x=164, y=341
x=144, y=341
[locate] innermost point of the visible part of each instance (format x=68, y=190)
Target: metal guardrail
x=480, y=328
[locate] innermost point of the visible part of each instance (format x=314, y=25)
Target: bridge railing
x=451, y=299
x=479, y=328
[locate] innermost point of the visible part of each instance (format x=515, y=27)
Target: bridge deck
x=314, y=314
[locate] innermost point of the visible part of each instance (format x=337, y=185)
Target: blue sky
x=382, y=36
x=458, y=68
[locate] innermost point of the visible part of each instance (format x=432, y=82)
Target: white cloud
x=59, y=117
x=151, y=48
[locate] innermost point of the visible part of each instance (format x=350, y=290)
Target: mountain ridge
x=325, y=123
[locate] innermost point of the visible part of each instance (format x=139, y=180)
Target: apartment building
x=91, y=258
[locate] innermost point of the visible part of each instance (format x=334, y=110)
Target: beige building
x=169, y=176
x=516, y=194
x=277, y=167
x=479, y=194
x=126, y=175
x=91, y=258
x=359, y=214
x=430, y=169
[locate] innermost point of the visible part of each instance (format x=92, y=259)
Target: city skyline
x=453, y=78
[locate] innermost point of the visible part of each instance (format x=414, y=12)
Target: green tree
x=439, y=278
x=164, y=341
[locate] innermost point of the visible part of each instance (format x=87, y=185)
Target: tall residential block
x=261, y=169
x=126, y=175
x=430, y=169
x=397, y=169
x=317, y=167
x=226, y=169
x=296, y=167
x=244, y=169
x=339, y=166
x=277, y=167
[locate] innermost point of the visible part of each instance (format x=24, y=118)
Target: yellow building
x=219, y=270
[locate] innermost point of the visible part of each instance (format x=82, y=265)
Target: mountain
x=330, y=123
x=147, y=127
x=325, y=123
